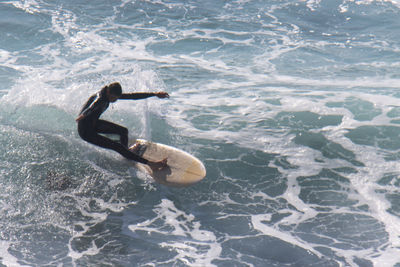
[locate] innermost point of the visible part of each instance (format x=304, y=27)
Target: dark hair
x=115, y=89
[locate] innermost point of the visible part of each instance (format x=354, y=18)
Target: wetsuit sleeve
x=136, y=95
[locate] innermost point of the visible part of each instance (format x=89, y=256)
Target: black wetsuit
x=90, y=126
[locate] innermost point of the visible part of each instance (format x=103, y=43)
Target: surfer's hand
x=79, y=118
x=158, y=165
x=162, y=95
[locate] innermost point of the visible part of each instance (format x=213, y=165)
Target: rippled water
x=291, y=105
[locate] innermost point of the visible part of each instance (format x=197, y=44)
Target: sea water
x=293, y=106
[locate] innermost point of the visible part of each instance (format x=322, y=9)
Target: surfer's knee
x=124, y=131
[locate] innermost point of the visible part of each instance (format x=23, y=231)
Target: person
x=90, y=126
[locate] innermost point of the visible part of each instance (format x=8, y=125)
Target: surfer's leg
x=105, y=142
x=107, y=127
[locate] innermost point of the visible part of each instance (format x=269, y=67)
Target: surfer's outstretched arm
x=144, y=95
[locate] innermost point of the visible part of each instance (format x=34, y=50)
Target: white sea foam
x=228, y=86
x=194, y=246
x=6, y=258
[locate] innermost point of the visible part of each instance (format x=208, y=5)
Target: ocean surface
x=293, y=106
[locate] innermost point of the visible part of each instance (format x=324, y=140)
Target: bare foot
x=135, y=148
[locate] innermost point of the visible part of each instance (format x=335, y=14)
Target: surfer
x=90, y=126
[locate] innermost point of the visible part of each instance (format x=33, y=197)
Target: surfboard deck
x=183, y=169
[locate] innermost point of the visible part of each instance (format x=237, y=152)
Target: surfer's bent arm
x=92, y=105
x=144, y=95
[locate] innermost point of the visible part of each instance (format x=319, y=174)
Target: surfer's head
x=114, y=91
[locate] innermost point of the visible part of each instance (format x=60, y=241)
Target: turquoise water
x=293, y=106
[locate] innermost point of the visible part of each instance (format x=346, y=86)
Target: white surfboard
x=183, y=169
